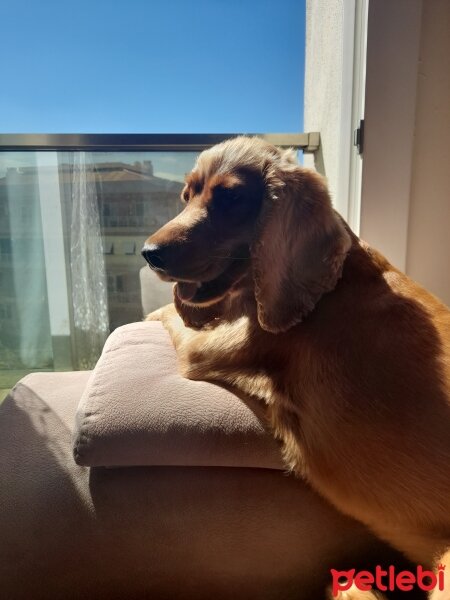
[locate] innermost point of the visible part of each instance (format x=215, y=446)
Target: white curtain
x=87, y=266
x=53, y=293
x=28, y=332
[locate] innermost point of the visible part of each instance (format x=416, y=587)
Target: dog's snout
x=153, y=254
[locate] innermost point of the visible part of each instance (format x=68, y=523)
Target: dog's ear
x=300, y=247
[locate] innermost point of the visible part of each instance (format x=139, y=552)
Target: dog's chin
x=205, y=293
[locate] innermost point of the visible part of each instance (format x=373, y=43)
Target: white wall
x=391, y=78
x=428, y=248
x=401, y=202
x=323, y=83
x=334, y=88
x=405, y=201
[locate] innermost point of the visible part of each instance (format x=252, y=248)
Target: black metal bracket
x=358, y=137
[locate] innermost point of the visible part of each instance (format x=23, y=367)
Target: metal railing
x=175, y=142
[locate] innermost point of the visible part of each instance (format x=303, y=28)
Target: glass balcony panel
x=71, y=228
x=25, y=335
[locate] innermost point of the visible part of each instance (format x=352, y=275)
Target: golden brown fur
x=351, y=357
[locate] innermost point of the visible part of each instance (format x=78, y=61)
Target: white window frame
x=334, y=95
x=377, y=56
x=393, y=43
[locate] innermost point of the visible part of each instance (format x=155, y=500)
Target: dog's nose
x=153, y=255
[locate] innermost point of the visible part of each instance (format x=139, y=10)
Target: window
x=83, y=218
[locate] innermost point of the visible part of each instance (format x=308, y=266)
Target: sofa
x=131, y=482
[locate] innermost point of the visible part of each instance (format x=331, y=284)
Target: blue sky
x=152, y=66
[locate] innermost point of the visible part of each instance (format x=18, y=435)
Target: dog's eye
x=231, y=203
x=224, y=196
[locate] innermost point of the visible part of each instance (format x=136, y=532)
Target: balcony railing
x=74, y=212
x=173, y=142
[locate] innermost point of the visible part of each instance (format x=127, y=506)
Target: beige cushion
x=137, y=410
x=164, y=533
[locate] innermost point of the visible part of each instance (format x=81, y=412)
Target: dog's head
x=250, y=208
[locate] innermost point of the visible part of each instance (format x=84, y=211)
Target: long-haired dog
x=276, y=297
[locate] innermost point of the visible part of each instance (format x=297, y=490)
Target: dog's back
x=369, y=374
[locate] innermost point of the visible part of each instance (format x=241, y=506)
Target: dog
x=278, y=299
